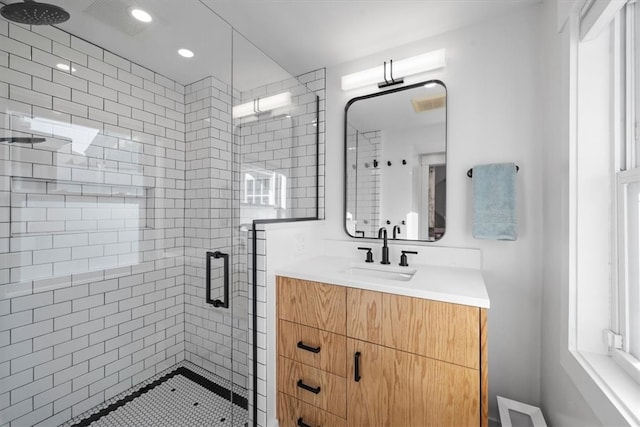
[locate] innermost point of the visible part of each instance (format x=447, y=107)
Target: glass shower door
x=210, y=329
x=275, y=178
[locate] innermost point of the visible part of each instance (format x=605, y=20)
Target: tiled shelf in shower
x=42, y=206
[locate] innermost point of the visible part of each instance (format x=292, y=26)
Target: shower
x=33, y=13
x=119, y=173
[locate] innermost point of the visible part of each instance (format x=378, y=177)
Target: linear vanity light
x=394, y=72
x=262, y=105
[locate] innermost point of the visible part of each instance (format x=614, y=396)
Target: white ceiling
x=300, y=35
x=303, y=35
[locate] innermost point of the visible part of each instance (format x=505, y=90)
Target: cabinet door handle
x=302, y=423
x=306, y=347
x=356, y=363
x=313, y=390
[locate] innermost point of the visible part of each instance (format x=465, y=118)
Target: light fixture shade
x=262, y=105
x=243, y=110
x=275, y=101
x=401, y=68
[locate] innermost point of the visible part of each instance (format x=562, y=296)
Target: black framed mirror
x=395, y=170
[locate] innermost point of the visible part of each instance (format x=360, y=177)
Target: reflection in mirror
x=395, y=163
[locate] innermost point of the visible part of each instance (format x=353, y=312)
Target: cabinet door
x=403, y=389
x=364, y=318
x=443, y=331
x=440, y=330
x=365, y=393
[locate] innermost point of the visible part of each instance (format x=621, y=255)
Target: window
x=624, y=343
x=264, y=188
x=603, y=302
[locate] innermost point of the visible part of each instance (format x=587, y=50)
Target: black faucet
x=382, y=234
x=395, y=228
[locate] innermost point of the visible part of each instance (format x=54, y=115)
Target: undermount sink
x=380, y=272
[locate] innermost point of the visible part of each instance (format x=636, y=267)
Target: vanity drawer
x=318, y=388
x=312, y=304
x=294, y=413
x=310, y=346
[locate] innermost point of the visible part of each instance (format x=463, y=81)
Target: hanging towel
x=494, y=201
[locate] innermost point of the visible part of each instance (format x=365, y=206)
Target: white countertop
x=440, y=283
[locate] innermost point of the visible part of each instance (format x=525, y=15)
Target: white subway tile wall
x=104, y=227
x=363, y=175
x=207, y=223
x=91, y=226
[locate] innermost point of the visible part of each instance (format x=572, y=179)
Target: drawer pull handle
x=356, y=363
x=306, y=347
x=302, y=423
x=313, y=390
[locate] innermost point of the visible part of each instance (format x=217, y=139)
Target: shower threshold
x=183, y=395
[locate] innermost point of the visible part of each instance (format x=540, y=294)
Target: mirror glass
x=395, y=163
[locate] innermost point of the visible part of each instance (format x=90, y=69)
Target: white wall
x=492, y=78
x=401, y=184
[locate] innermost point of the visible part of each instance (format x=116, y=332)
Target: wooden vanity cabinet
x=404, y=361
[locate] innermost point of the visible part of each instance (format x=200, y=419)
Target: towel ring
x=470, y=171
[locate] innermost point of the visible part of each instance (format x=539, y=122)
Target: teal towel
x=494, y=201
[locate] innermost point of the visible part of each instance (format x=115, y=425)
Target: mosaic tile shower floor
x=184, y=395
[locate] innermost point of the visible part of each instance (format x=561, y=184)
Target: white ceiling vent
x=115, y=14
x=428, y=103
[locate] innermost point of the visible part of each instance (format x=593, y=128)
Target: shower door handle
x=218, y=303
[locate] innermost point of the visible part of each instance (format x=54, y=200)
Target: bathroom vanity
x=370, y=345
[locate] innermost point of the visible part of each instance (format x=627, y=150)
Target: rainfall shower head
x=32, y=13
x=22, y=140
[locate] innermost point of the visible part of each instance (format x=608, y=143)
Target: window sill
x=613, y=383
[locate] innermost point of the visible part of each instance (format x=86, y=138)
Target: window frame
x=627, y=172
x=606, y=387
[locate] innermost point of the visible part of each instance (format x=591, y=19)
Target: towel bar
x=470, y=171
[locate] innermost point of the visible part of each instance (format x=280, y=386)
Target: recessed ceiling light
x=186, y=53
x=141, y=15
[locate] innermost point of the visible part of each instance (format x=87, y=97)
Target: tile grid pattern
x=368, y=202
x=169, y=407
x=208, y=224
x=363, y=149
x=91, y=274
